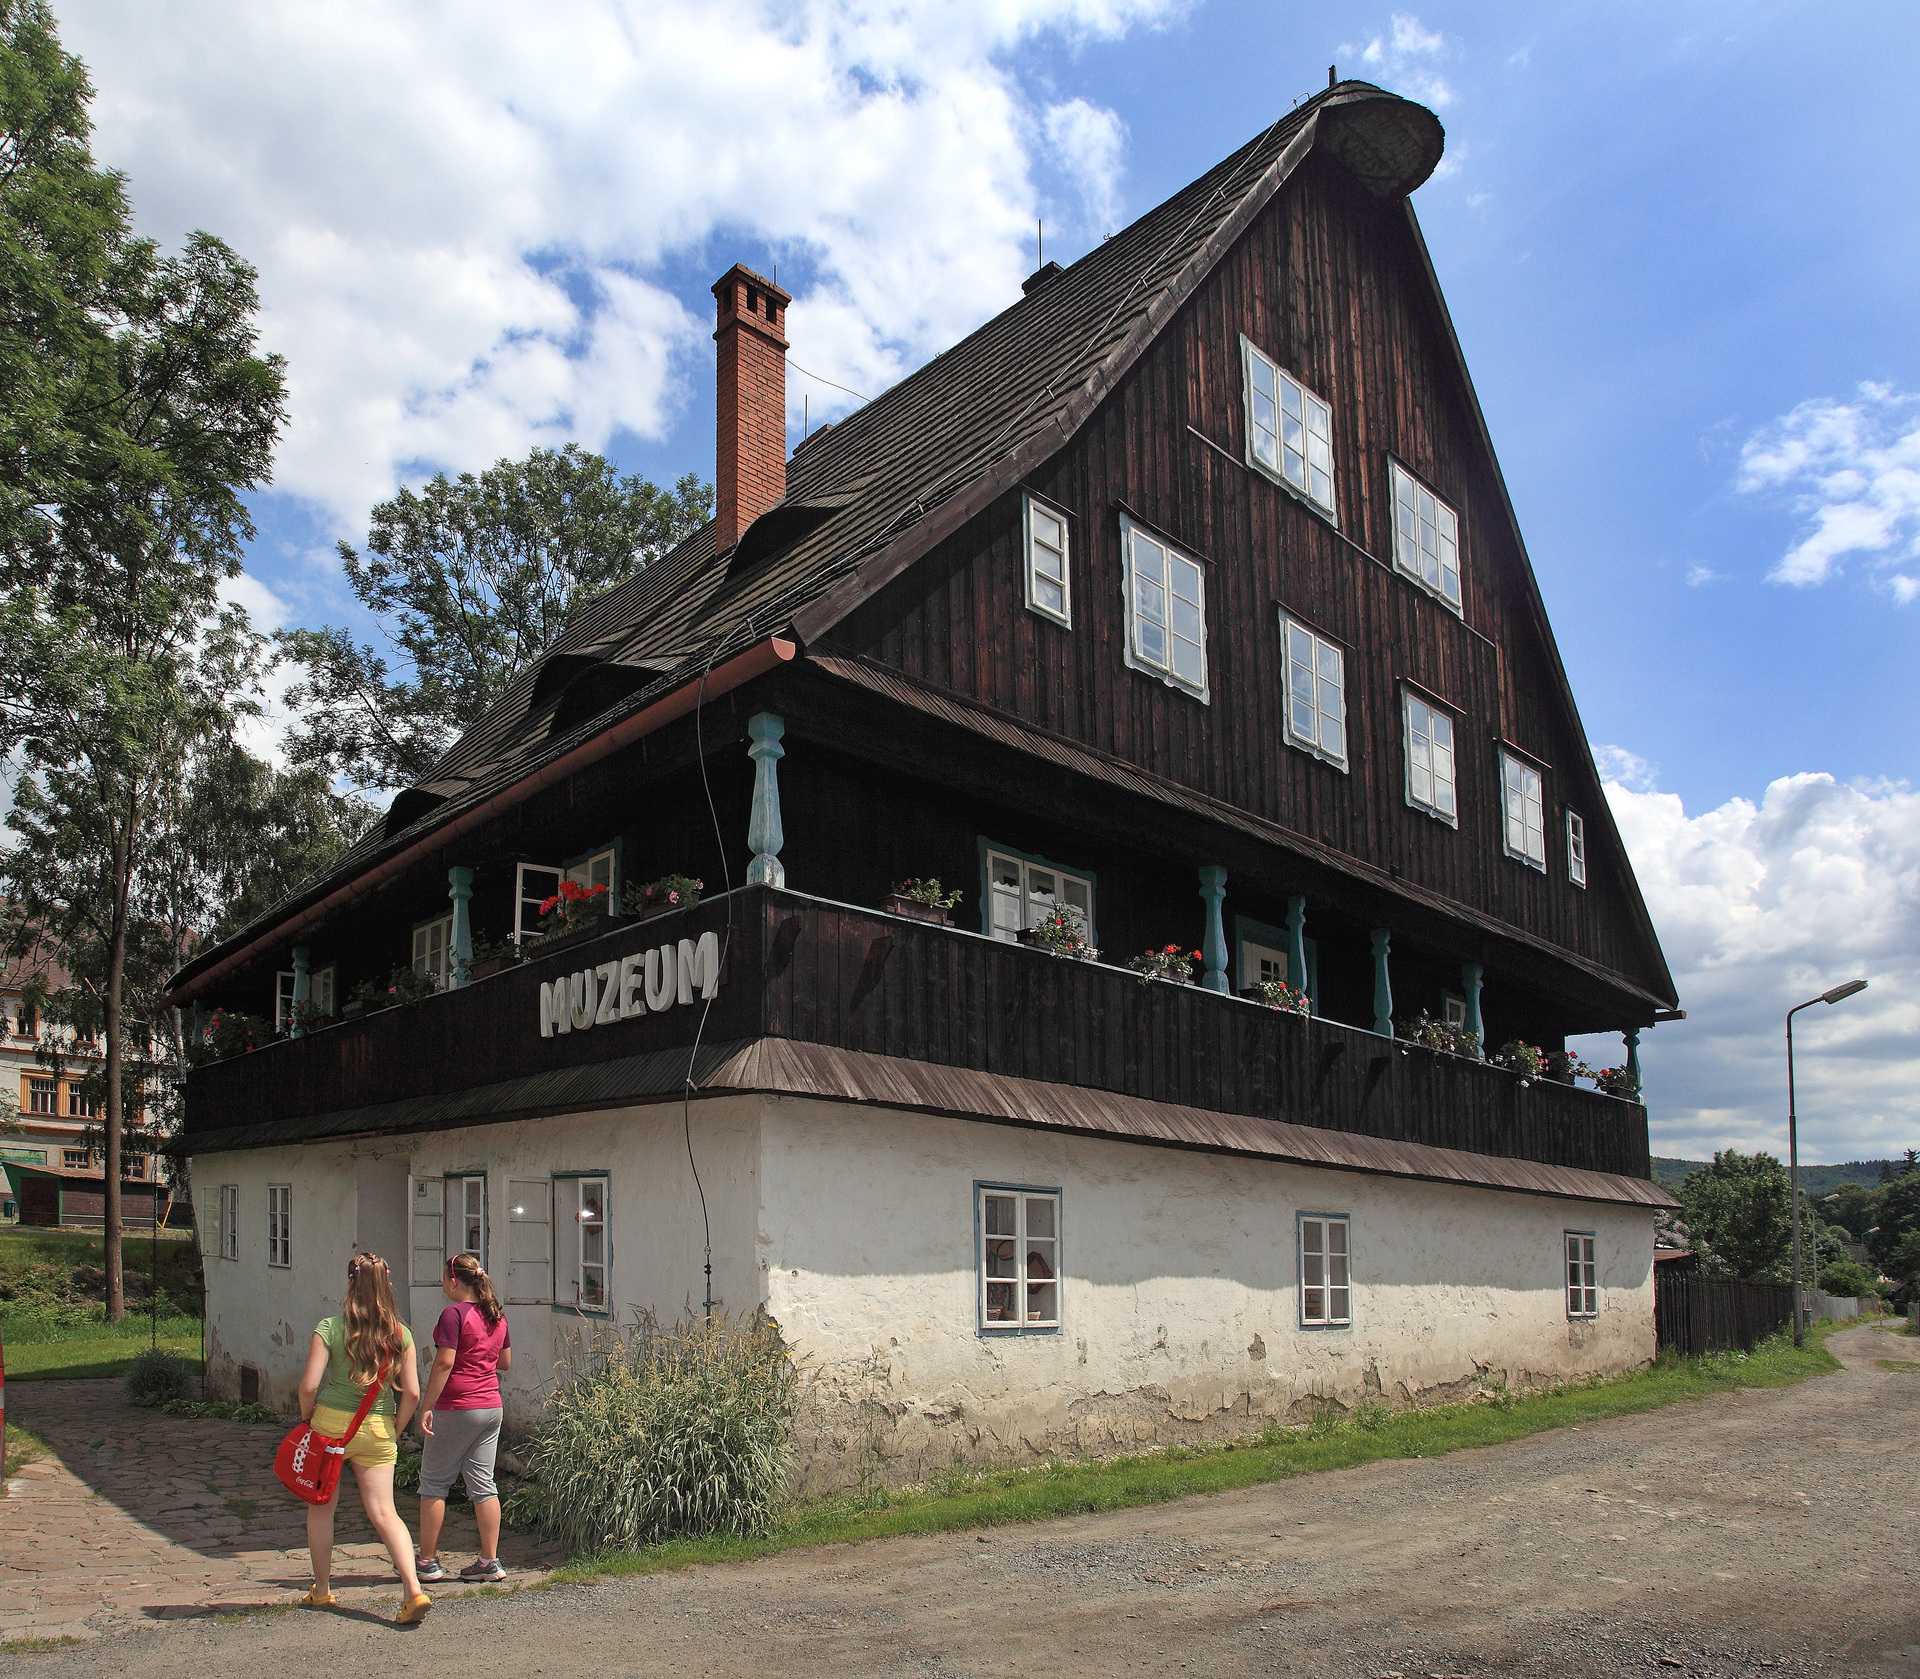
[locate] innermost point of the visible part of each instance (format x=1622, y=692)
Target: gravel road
x=1736, y=1535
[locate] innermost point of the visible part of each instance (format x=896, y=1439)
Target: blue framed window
x=582, y=1242
x=1326, y=1270
x=1017, y=1258
x=1019, y=889
x=1261, y=951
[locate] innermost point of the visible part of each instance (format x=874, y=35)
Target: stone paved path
x=138, y=1518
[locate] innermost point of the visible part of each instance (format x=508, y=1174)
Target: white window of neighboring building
x=1019, y=1258
x=533, y=885
x=1049, y=591
x=229, y=1221
x=1021, y=892
x=279, y=1224
x=1289, y=429
x=530, y=1239
x=1326, y=1282
x=467, y=1217
x=1166, y=600
x=43, y=1096
x=1316, y=693
x=1576, y=848
x=1583, y=1293
x=1524, y=807
x=1430, y=761
x=1426, y=537
x=432, y=947
x=582, y=1242
x=75, y=1159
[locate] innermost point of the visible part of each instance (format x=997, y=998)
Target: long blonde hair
x=373, y=1326
x=465, y=1269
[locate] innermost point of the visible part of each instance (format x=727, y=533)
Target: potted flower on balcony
x=1062, y=931
x=1618, y=1081
x=1169, y=963
x=492, y=956
x=661, y=897
x=1564, y=1067
x=1528, y=1060
x=572, y=914
x=1429, y=1033
x=227, y=1032
x=1278, y=994
x=923, y=900
x=305, y=1017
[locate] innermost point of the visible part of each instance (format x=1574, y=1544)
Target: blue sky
x=1678, y=243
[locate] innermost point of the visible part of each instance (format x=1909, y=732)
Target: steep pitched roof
x=870, y=495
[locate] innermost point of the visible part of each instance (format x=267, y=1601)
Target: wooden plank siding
x=1327, y=282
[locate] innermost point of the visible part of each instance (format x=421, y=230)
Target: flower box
x=485, y=967
x=591, y=927
x=898, y=903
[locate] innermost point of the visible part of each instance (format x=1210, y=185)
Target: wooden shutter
x=529, y=1240
x=427, y=1218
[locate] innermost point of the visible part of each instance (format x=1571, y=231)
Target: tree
x=471, y=579
x=1740, y=1209
x=117, y=659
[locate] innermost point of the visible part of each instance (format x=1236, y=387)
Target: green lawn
x=1063, y=1489
x=39, y=1350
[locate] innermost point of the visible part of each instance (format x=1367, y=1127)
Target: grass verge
x=8, y=1646
x=23, y=1447
x=39, y=1353
x=971, y=1500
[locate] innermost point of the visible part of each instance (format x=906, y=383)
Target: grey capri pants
x=462, y=1443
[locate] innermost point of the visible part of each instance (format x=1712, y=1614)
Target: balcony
x=815, y=972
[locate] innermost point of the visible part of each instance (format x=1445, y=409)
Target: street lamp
x=1838, y=994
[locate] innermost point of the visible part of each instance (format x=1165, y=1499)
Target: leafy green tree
x=471, y=580
x=1740, y=1209
x=1899, y=1218
x=117, y=658
x=1848, y=1279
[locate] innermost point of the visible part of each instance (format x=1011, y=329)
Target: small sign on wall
x=647, y=982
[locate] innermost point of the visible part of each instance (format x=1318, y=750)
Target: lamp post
x=1837, y=994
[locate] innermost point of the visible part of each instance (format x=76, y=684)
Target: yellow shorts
x=376, y=1443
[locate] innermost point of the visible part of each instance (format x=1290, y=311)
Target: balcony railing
x=859, y=979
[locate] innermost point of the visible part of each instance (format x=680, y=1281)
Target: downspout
x=742, y=668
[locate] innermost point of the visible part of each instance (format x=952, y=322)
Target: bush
x=659, y=1433
x=156, y=1377
x=1847, y=1279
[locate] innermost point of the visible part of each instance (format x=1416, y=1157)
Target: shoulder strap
x=366, y=1401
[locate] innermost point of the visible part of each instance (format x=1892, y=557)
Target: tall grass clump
x=657, y=1433
x=157, y=1376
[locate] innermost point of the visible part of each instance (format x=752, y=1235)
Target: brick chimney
x=750, y=457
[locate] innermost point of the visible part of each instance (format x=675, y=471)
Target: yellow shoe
x=413, y=1611
x=316, y=1599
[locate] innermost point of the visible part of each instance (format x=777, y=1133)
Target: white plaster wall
x=261, y=1314
x=1180, y=1312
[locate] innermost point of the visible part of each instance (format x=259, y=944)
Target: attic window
x=1166, y=601
x=1523, y=809
x=1046, y=569
x=1426, y=536
x=1289, y=431
x=1576, y=848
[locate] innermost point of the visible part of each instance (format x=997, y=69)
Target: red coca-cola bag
x=309, y=1462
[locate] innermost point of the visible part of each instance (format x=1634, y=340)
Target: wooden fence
x=1710, y=1314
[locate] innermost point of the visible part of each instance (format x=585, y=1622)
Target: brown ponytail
x=373, y=1326
x=465, y=1269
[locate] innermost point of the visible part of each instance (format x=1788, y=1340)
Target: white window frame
x=1035, y=516
x=589, y=871
x=1167, y=566
x=280, y=1225
x=426, y=1233
x=230, y=1221
x=530, y=1240
x=1328, y=1239
x=1523, y=810
x=1426, y=538
x=468, y=1188
x=526, y=905
x=572, y=1248
x=283, y=1000
x=1035, y=900
x=1583, y=1275
x=1423, y=723
x=1453, y=1009
x=1268, y=387
x=1026, y=1243
x=320, y=990
x=1292, y=628
x=426, y=947
x=1577, y=849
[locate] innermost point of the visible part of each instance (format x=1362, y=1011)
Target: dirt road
x=1739, y=1535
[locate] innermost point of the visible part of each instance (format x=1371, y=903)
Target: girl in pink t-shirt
x=460, y=1416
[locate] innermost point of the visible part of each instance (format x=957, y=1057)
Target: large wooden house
x=1183, y=602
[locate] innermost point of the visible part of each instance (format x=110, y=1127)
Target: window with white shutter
x=1316, y=693
x=1576, y=848
x=1048, y=591
x=1289, y=430
x=1430, y=760
x=583, y=1243
x=530, y=1239
x=1166, y=602
x=1524, y=810
x=1426, y=537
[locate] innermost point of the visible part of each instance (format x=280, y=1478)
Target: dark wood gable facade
x=931, y=716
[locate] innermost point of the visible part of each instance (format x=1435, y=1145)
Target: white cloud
x=1616, y=763
x=1699, y=575
x=1852, y=470
x=463, y=213
x=1760, y=907
x=1404, y=57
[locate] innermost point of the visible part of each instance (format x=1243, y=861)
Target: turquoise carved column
x=460, y=955
x=1382, y=985
x=1470, y=982
x=302, y=988
x=1297, y=943
x=1213, y=941
x=1632, y=1040
x=764, y=833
